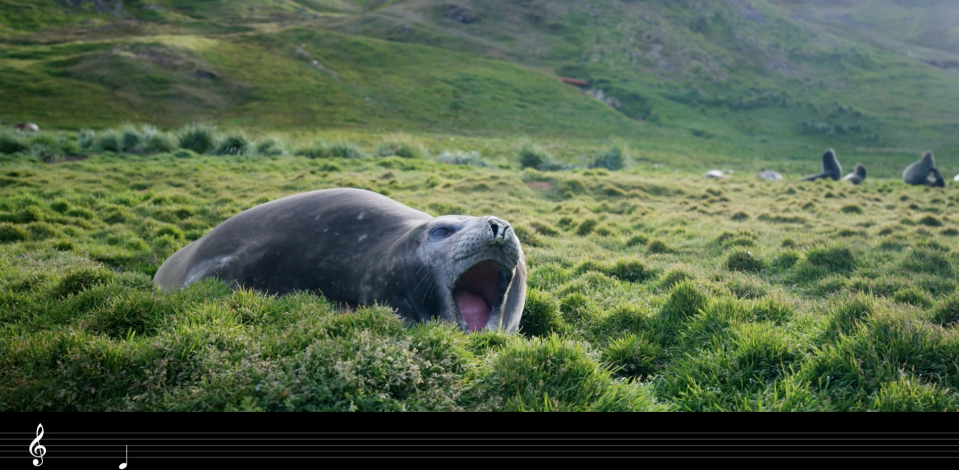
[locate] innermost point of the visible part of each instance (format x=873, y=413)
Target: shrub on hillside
x=107, y=141
x=11, y=143
x=613, y=159
x=196, y=137
x=533, y=156
x=159, y=142
x=86, y=138
x=319, y=149
x=345, y=151
x=270, y=147
x=46, y=149
x=235, y=143
x=401, y=146
x=130, y=139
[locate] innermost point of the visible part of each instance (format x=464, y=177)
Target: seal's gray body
x=830, y=167
x=769, y=175
x=359, y=248
x=919, y=173
x=858, y=175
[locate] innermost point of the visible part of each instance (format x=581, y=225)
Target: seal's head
x=473, y=272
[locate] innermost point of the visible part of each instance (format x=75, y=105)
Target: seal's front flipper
x=940, y=182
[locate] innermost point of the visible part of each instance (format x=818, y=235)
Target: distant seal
x=830, y=167
x=858, y=174
x=27, y=126
x=359, y=248
x=924, y=172
x=724, y=173
x=769, y=175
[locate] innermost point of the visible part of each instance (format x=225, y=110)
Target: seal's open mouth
x=477, y=292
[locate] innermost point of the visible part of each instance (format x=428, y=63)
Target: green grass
x=723, y=314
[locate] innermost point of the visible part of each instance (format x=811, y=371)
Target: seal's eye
x=441, y=232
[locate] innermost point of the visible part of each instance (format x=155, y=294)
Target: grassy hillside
x=757, y=76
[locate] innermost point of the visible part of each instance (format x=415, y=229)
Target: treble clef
x=36, y=449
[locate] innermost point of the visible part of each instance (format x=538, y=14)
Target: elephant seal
x=770, y=175
x=858, y=174
x=27, y=126
x=918, y=173
x=358, y=247
x=830, y=167
x=715, y=174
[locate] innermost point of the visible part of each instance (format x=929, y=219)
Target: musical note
x=126, y=451
x=36, y=449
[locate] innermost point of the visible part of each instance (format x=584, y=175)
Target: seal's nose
x=498, y=228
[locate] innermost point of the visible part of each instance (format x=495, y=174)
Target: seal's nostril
x=496, y=228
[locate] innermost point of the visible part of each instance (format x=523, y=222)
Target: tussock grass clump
x=401, y=146
x=851, y=209
x=908, y=393
x=234, y=143
x=575, y=308
x=531, y=156
x=158, y=142
x=785, y=260
x=541, y=315
x=685, y=300
x=130, y=139
x=107, y=141
x=534, y=156
x=199, y=138
x=927, y=261
x=744, y=288
x=544, y=228
x=46, y=149
x=270, y=147
x=628, y=270
x=553, y=374
x=913, y=296
x=345, y=150
x=612, y=159
x=742, y=260
x=850, y=312
x=10, y=233
x=586, y=227
x=656, y=247
x=82, y=278
x=632, y=356
x=637, y=240
x=11, y=143
x=86, y=138
x=931, y=221
x=833, y=258
x=631, y=270
x=674, y=277
x=773, y=309
x=946, y=311
x=318, y=149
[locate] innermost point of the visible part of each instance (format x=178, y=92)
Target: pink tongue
x=474, y=309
